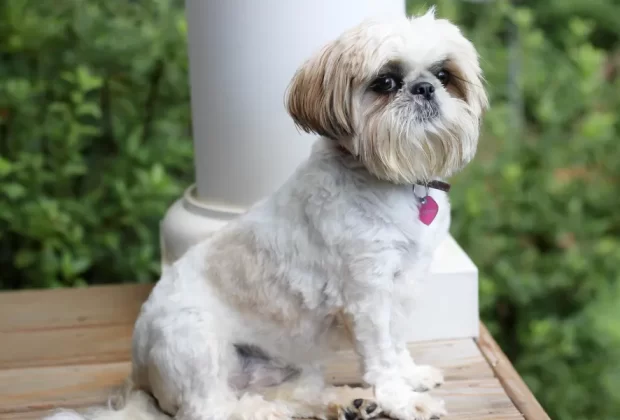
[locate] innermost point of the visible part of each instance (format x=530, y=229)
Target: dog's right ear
x=319, y=95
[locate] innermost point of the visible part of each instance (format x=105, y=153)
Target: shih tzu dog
x=238, y=327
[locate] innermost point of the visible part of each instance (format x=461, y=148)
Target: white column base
x=188, y=221
x=448, y=308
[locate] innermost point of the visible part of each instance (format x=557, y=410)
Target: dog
x=237, y=328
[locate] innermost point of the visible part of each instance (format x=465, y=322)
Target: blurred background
x=95, y=145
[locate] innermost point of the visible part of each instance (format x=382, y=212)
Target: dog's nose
x=425, y=89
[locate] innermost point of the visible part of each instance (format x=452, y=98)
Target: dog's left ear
x=477, y=96
x=475, y=92
x=319, y=95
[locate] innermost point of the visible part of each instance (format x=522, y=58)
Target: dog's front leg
x=420, y=377
x=369, y=303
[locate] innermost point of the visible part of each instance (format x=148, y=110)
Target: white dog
x=237, y=327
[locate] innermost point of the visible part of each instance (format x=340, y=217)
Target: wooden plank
x=72, y=346
x=67, y=308
x=90, y=325
x=37, y=390
x=460, y=359
x=94, y=325
x=513, y=384
x=26, y=415
x=491, y=415
x=477, y=399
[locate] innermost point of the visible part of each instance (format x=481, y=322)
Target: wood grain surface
x=510, y=379
x=71, y=348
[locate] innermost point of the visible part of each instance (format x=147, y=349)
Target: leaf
x=88, y=109
x=86, y=80
x=13, y=191
x=5, y=167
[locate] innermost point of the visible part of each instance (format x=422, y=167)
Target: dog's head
x=404, y=96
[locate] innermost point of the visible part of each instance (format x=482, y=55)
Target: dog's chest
x=420, y=242
x=422, y=235
x=431, y=234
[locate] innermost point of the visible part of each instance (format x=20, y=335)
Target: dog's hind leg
x=181, y=360
x=189, y=369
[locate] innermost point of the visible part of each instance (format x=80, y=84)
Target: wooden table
x=70, y=348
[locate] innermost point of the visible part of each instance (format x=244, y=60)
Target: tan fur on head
x=319, y=98
x=398, y=136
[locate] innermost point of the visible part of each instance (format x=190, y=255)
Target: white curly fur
x=237, y=327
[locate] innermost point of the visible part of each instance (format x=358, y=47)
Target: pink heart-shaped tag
x=428, y=210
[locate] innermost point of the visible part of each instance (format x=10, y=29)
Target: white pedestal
x=448, y=307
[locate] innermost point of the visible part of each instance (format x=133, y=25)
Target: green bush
x=94, y=138
x=537, y=210
x=95, y=145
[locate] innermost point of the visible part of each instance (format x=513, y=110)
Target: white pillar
x=242, y=55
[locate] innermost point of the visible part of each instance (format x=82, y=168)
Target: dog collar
x=436, y=185
x=428, y=206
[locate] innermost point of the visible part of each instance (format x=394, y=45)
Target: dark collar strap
x=439, y=185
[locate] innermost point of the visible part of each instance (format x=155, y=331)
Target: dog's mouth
x=425, y=110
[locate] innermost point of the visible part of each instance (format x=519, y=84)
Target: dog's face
x=405, y=97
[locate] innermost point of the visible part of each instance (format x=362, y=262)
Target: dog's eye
x=386, y=84
x=443, y=76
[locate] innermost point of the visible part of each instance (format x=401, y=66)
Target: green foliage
x=94, y=146
x=94, y=138
x=537, y=210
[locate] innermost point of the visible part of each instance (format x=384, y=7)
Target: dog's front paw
x=359, y=409
x=405, y=404
x=424, y=378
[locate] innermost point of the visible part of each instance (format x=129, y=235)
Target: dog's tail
x=128, y=403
